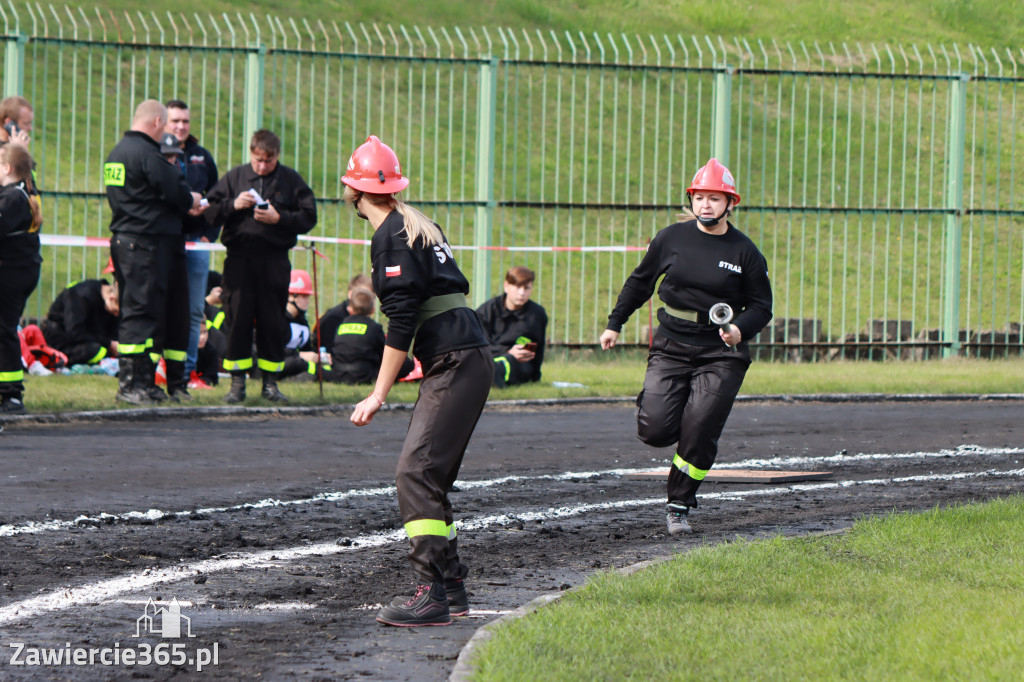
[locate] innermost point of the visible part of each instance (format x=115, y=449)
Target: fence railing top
x=579, y=48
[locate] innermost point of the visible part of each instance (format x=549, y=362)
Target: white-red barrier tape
x=103, y=242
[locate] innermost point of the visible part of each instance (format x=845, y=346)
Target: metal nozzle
x=720, y=314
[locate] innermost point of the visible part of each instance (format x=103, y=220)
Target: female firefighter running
x=695, y=367
x=423, y=293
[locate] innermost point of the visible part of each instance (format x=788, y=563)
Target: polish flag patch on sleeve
x=392, y=270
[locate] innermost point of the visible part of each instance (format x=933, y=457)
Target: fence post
x=485, y=116
x=955, y=146
x=721, y=103
x=255, y=62
x=14, y=65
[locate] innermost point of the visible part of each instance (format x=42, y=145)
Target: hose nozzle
x=721, y=314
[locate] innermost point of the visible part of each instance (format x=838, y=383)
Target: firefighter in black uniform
x=423, y=293
x=149, y=199
x=300, y=357
x=263, y=206
x=358, y=345
x=82, y=322
x=695, y=368
x=20, y=218
x=517, y=328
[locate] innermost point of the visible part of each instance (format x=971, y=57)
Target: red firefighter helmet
x=714, y=177
x=374, y=168
x=301, y=283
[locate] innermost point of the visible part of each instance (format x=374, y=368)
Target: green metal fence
x=880, y=181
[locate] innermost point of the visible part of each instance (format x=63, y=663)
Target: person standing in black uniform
x=695, y=368
x=423, y=293
x=517, y=328
x=149, y=199
x=20, y=219
x=264, y=206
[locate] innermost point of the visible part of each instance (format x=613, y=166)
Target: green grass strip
x=911, y=596
x=613, y=374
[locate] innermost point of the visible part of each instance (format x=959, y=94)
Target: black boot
x=458, y=599
x=429, y=606
x=145, y=376
x=11, y=403
x=237, y=392
x=270, y=391
x=177, y=383
x=128, y=391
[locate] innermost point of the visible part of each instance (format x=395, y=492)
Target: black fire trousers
x=255, y=296
x=153, y=287
x=687, y=396
x=451, y=398
x=16, y=285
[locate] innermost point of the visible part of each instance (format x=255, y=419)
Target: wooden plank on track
x=742, y=476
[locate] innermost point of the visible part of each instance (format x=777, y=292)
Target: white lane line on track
x=104, y=518
x=113, y=587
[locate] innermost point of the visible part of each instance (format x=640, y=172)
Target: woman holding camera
x=423, y=293
x=695, y=367
x=20, y=219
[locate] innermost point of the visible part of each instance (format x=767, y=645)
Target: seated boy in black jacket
x=358, y=345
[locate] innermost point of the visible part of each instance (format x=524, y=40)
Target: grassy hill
x=987, y=23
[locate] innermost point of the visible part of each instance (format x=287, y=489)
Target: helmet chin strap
x=710, y=222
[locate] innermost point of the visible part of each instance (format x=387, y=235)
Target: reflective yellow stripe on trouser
x=96, y=358
x=427, y=527
x=134, y=348
x=18, y=375
x=241, y=365
x=688, y=469
x=269, y=366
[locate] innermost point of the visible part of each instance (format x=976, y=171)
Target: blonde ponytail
x=418, y=226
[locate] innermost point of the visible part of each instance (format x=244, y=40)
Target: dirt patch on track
x=281, y=536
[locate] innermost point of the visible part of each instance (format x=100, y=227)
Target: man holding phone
x=16, y=116
x=516, y=328
x=263, y=206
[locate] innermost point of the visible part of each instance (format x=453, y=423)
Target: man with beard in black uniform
x=263, y=206
x=148, y=198
x=516, y=327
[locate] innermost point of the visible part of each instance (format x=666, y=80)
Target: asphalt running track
x=278, y=534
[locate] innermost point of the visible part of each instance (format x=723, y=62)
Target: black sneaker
x=12, y=405
x=676, y=519
x=429, y=606
x=458, y=599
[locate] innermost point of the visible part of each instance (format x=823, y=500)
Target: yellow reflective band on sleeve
x=12, y=376
x=178, y=355
x=688, y=469
x=218, y=320
x=508, y=368
x=242, y=365
x=134, y=348
x=426, y=527
x=268, y=366
x=96, y=358
x=113, y=174
x=312, y=367
x=352, y=328
x=451, y=532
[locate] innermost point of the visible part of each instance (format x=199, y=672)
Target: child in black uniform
x=423, y=293
x=20, y=218
x=695, y=368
